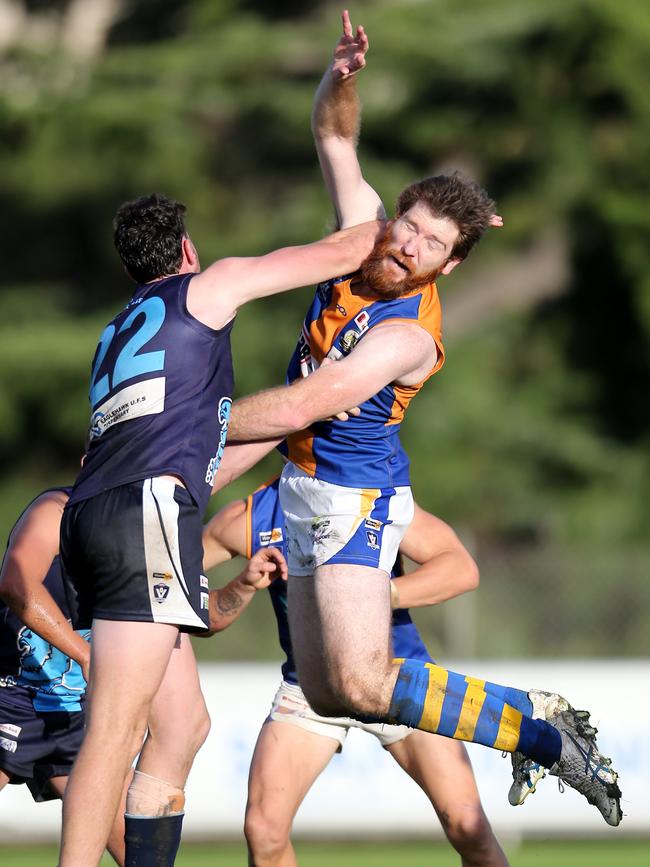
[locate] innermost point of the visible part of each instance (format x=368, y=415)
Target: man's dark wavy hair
x=456, y=197
x=148, y=234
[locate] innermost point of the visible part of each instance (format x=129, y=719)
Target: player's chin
x=391, y=289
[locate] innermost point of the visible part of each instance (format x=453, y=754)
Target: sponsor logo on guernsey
x=10, y=729
x=373, y=540
x=143, y=398
x=349, y=341
x=204, y=582
x=304, y=353
x=163, y=576
x=160, y=592
x=205, y=601
x=362, y=321
x=223, y=417
x=351, y=337
x=271, y=537
x=9, y=746
x=372, y=524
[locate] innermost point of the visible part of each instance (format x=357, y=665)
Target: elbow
x=11, y=596
x=471, y=574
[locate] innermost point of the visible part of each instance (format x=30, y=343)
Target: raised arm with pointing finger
x=336, y=120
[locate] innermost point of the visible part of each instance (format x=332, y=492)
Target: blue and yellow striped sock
x=434, y=699
x=514, y=697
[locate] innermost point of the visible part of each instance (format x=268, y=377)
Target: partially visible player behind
x=42, y=662
x=295, y=744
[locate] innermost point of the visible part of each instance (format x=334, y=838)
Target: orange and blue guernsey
x=364, y=451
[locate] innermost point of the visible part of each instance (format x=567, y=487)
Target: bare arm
x=33, y=545
x=238, y=458
x=229, y=602
x=224, y=537
x=215, y=295
x=446, y=569
x=391, y=352
x=336, y=120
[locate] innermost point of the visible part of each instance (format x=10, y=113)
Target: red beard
x=373, y=272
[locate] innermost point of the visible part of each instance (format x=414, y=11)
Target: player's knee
x=327, y=706
x=361, y=695
x=203, y=727
x=469, y=832
x=267, y=835
x=322, y=700
x=187, y=735
x=199, y=728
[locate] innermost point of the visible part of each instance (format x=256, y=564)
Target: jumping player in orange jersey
x=345, y=491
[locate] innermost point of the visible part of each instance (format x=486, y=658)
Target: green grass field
x=594, y=853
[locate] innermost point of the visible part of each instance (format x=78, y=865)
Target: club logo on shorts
x=205, y=601
x=160, y=592
x=10, y=729
x=271, y=537
x=203, y=581
x=373, y=540
x=9, y=746
x=163, y=576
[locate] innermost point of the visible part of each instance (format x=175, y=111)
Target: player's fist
x=265, y=566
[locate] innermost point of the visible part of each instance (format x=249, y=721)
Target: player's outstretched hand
x=265, y=566
x=496, y=221
x=350, y=51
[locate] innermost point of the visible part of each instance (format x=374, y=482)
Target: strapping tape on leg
x=151, y=797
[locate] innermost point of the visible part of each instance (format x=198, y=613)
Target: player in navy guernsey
x=295, y=744
x=42, y=661
x=160, y=393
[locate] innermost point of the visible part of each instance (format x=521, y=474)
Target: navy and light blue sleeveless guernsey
x=33, y=673
x=160, y=395
x=265, y=527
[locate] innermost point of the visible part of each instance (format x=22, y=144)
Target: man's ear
x=190, y=256
x=449, y=265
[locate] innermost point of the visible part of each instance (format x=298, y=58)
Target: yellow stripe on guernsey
x=472, y=706
x=509, y=726
x=436, y=691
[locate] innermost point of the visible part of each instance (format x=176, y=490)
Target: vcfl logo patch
x=373, y=540
x=160, y=592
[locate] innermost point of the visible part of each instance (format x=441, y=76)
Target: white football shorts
x=290, y=706
x=329, y=523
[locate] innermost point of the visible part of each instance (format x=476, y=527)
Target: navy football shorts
x=135, y=553
x=36, y=746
